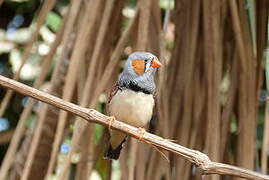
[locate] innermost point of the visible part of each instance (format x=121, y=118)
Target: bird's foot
x=111, y=120
x=141, y=132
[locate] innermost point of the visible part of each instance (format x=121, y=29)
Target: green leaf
x=53, y=21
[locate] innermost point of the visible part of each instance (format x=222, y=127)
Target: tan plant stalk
x=107, y=11
x=45, y=67
x=6, y=136
x=247, y=89
x=45, y=135
x=213, y=52
x=262, y=9
x=77, y=56
x=264, y=156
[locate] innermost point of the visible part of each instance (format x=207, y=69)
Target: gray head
x=138, y=73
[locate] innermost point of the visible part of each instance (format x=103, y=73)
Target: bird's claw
x=111, y=119
x=141, y=132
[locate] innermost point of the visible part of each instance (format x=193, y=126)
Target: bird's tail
x=111, y=153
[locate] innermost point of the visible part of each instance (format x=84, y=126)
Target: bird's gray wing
x=112, y=93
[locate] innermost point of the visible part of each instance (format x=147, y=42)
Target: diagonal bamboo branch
x=91, y=115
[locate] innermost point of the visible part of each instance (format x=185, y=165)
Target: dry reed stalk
x=20, y=160
x=196, y=157
x=265, y=147
x=78, y=54
x=75, y=141
x=229, y=105
x=34, y=145
x=175, y=81
x=262, y=9
x=247, y=99
x=140, y=159
x=132, y=155
x=56, y=83
x=162, y=102
x=143, y=26
x=199, y=98
x=30, y=158
x=123, y=163
x=47, y=6
x=6, y=136
x=85, y=164
x=242, y=58
x=238, y=33
x=111, y=42
x=43, y=149
x=108, y=12
x=213, y=34
x=155, y=29
x=90, y=81
x=179, y=118
x=230, y=78
x=154, y=169
x=81, y=80
x=187, y=56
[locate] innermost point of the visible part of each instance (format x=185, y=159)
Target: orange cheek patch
x=138, y=66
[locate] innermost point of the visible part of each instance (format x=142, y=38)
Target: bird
x=132, y=98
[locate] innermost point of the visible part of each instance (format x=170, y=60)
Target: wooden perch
x=91, y=115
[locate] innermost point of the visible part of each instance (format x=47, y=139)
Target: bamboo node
x=202, y=160
x=141, y=132
x=111, y=120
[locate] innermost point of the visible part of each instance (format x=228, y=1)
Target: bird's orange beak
x=156, y=63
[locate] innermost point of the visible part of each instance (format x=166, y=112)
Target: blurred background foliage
x=168, y=23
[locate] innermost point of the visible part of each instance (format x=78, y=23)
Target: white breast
x=134, y=108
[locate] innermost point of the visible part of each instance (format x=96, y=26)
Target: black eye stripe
x=146, y=63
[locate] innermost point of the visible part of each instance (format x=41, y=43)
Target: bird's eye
x=147, y=65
